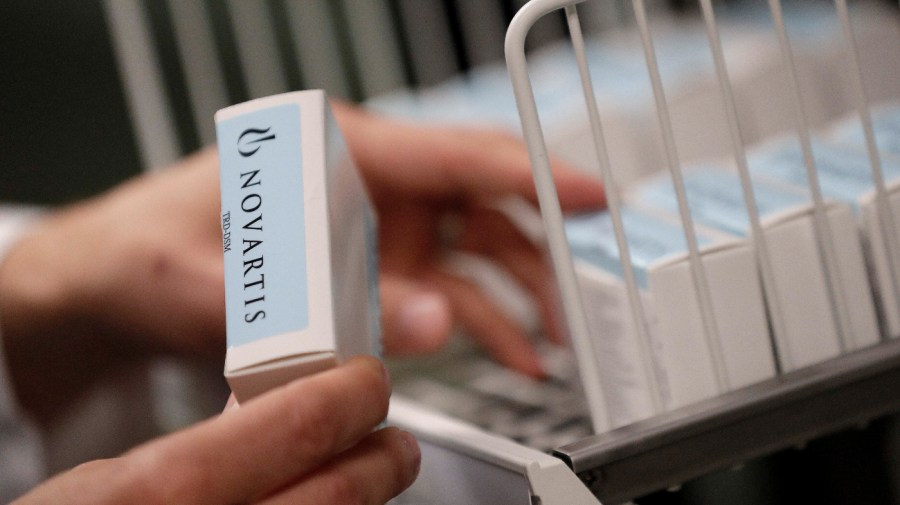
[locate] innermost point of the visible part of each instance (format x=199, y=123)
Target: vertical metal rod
x=314, y=34
x=550, y=208
x=203, y=73
x=710, y=329
x=882, y=200
x=638, y=313
x=760, y=243
x=139, y=68
x=257, y=48
x=824, y=235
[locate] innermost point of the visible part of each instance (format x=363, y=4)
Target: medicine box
x=844, y=174
x=810, y=332
x=299, y=243
x=681, y=359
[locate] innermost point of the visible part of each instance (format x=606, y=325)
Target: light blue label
x=263, y=224
x=592, y=239
x=486, y=94
x=715, y=198
x=844, y=173
x=886, y=125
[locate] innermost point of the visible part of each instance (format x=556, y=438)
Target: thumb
x=415, y=319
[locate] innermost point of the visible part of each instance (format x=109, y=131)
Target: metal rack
x=786, y=411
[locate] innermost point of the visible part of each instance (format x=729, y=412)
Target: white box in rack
x=681, y=359
x=810, y=333
x=845, y=174
x=738, y=311
x=886, y=126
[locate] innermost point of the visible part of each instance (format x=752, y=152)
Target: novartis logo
x=250, y=219
x=250, y=140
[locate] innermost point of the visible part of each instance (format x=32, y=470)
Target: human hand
x=110, y=280
x=139, y=269
x=421, y=178
x=310, y=441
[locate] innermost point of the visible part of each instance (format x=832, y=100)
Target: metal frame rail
x=784, y=412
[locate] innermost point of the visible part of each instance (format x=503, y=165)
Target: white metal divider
x=760, y=244
x=551, y=212
x=823, y=232
x=638, y=313
x=553, y=217
x=710, y=330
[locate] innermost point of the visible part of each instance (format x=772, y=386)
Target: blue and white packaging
x=623, y=91
x=810, y=331
x=845, y=174
x=885, y=126
x=623, y=364
x=299, y=243
x=681, y=358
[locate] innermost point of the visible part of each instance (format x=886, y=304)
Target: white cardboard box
x=845, y=174
x=810, y=333
x=299, y=243
x=740, y=319
x=877, y=247
x=886, y=125
x=680, y=358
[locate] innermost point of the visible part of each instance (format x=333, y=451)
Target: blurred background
x=82, y=79
x=95, y=91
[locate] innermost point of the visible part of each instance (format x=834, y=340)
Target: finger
x=576, y=190
x=405, y=230
x=185, y=310
x=200, y=172
x=497, y=164
x=462, y=162
x=501, y=338
x=191, y=187
x=374, y=471
x=415, y=319
x=490, y=233
x=91, y=483
x=508, y=169
x=270, y=441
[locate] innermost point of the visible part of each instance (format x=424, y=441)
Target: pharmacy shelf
x=723, y=432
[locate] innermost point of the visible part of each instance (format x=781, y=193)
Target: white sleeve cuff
x=15, y=220
x=21, y=453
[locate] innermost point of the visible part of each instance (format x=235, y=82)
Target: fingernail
x=387, y=377
x=425, y=320
x=530, y=364
x=413, y=452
